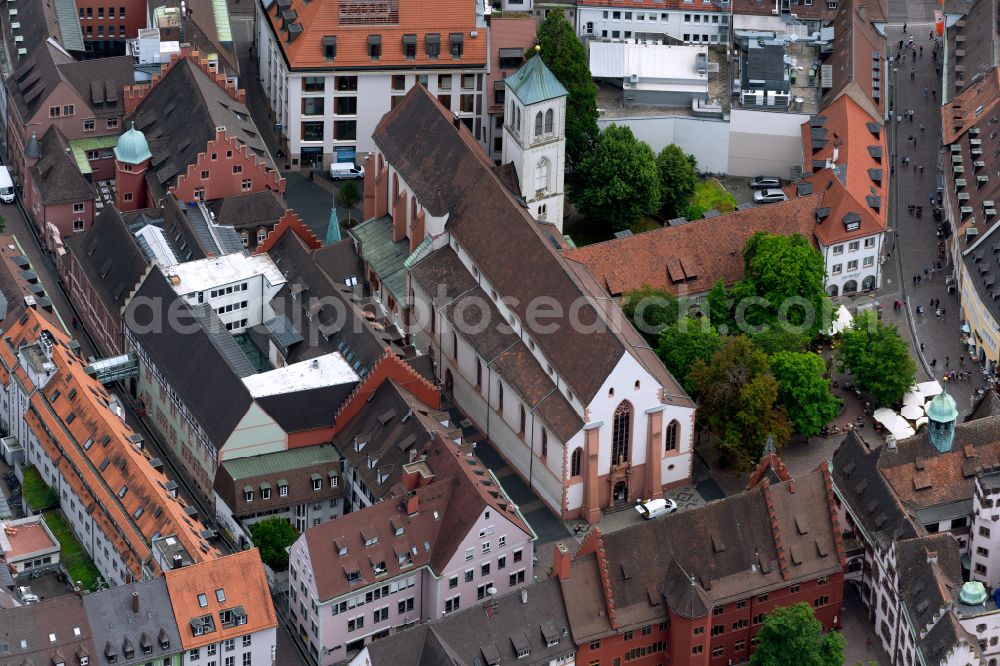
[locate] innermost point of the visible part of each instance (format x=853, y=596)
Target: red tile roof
x=848, y=144
x=233, y=582
x=690, y=258
x=95, y=452
x=26, y=538
x=323, y=18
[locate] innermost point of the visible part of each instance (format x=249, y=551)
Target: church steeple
x=534, y=137
x=941, y=415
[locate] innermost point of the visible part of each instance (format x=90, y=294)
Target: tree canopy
x=803, y=391
x=678, y=180
x=349, y=196
x=617, y=180
x=738, y=398
x=877, y=358
x=792, y=634
x=683, y=343
x=784, y=284
x=650, y=310
x=564, y=54
x=272, y=536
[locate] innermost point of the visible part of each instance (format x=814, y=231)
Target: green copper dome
x=942, y=408
x=973, y=593
x=132, y=147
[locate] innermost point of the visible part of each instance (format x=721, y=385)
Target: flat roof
x=203, y=274
x=647, y=61
x=28, y=536
x=328, y=370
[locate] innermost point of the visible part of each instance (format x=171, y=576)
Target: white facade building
x=698, y=22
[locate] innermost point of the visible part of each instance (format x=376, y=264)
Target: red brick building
x=106, y=24
x=190, y=135
x=642, y=596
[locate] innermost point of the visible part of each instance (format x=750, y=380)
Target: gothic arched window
x=542, y=170
x=673, y=431
x=621, y=433
x=538, y=123
x=548, y=121
x=575, y=462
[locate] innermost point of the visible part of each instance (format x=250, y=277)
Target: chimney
x=135, y=602
x=561, y=562
x=412, y=504
x=932, y=556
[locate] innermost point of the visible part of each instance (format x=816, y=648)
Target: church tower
x=534, y=138
x=132, y=158
x=941, y=415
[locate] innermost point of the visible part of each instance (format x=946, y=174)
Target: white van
x=654, y=508
x=6, y=186
x=346, y=171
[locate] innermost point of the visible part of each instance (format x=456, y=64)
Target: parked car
x=346, y=171
x=6, y=186
x=769, y=196
x=650, y=509
x=764, y=182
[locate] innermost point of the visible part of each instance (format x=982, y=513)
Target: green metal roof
x=69, y=25
x=80, y=147
x=283, y=461
x=223, y=29
x=132, y=147
x=386, y=258
x=534, y=82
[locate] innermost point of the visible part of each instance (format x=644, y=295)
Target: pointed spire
x=769, y=448
x=33, y=150
x=333, y=228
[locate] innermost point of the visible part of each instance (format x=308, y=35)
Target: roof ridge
x=779, y=546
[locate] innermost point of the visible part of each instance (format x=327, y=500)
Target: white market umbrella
x=884, y=415
x=842, y=321
x=900, y=429
x=912, y=412
x=922, y=421
x=930, y=389
x=914, y=397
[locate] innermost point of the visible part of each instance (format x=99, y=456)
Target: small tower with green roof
x=534, y=137
x=132, y=158
x=941, y=415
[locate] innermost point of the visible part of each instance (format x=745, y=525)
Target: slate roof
x=461, y=637
x=33, y=624
x=114, y=622
x=460, y=491
x=340, y=262
x=972, y=44
x=584, y=599
x=534, y=82
x=478, y=205
x=56, y=175
x=853, y=58
x=867, y=493
x=215, y=395
x=927, y=586
x=248, y=211
x=691, y=258
x=730, y=552
x=309, y=409
x=387, y=437
x=360, y=339
x=100, y=81
x=110, y=258
x=179, y=116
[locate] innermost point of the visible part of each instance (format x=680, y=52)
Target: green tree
x=803, y=391
x=349, y=196
x=650, y=310
x=738, y=397
x=708, y=195
x=683, y=343
x=564, y=54
x=617, y=180
x=272, y=536
x=720, y=308
x=788, y=274
x=776, y=339
x=793, y=635
x=877, y=358
x=678, y=179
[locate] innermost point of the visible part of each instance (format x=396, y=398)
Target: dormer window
x=379, y=568
x=330, y=47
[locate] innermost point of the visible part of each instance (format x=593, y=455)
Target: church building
x=467, y=258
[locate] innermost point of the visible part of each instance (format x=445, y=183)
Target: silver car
x=769, y=196
x=764, y=182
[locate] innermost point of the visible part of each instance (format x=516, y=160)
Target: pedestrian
x=943, y=313
x=921, y=50
x=922, y=128
x=926, y=92
x=947, y=361
x=937, y=313
x=899, y=118
x=921, y=169
x=913, y=73
x=937, y=70
x=922, y=346
x=904, y=28
x=961, y=361
x=911, y=115
x=931, y=197
x=914, y=280
x=933, y=362
x=900, y=45
x=934, y=94
x=909, y=139
x=930, y=35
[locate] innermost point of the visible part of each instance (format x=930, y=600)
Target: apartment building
x=133, y=625
x=121, y=507
x=588, y=419
x=331, y=69
x=654, y=21
x=448, y=540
